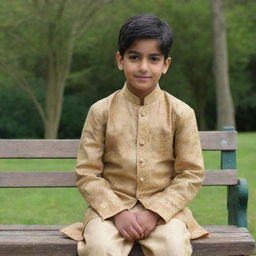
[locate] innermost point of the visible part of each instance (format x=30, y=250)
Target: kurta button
x=141, y=179
x=141, y=161
x=142, y=113
x=142, y=142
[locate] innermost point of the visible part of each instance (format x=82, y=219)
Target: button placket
x=143, y=138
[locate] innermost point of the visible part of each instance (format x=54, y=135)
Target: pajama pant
x=103, y=239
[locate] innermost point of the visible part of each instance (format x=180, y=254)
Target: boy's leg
x=170, y=239
x=102, y=238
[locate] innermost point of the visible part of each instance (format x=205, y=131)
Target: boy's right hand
x=128, y=226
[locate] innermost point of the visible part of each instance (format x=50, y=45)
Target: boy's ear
x=119, y=60
x=167, y=64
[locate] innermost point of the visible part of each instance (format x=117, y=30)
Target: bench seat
x=42, y=240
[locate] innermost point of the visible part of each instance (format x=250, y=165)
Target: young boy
x=140, y=162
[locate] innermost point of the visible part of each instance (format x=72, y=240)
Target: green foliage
x=94, y=74
x=18, y=118
x=242, y=47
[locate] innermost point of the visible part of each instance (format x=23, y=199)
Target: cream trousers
x=103, y=239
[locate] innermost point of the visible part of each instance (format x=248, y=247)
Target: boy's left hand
x=147, y=220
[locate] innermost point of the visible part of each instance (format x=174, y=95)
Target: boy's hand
x=147, y=220
x=127, y=225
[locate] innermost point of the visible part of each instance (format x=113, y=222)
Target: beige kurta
x=149, y=153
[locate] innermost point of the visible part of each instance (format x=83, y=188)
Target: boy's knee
x=95, y=247
x=97, y=238
x=179, y=247
x=178, y=241
x=173, y=240
x=171, y=247
x=102, y=238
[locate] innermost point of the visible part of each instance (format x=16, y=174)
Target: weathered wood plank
x=225, y=229
x=23, y=233
x=38, y=148
x=29, y=240
x=39, y=249
x=68, y=179
x=210, y=228
x=220, y=177
x=218, y=140
x=215, y=140
x=224, y=244
x=37, y=179
x=31, y=227
x=34, y=239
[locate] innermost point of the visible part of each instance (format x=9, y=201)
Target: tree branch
x=83, y=20
x=86, y=15
x=22, y=83
x=61, y=9
x=21, y=41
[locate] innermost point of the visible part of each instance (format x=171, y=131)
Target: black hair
x=145, y=26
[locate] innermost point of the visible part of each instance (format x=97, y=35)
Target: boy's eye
x=155, y=59
x=133, y=57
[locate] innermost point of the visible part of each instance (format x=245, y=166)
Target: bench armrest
x=237, y=203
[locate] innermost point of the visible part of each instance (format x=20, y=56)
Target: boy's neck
x=140, y=94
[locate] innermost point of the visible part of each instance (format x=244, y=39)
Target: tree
x=225, y=108
x=39, y=44
x=192, y=53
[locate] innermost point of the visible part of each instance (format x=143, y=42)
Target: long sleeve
x=189, y=170
x=89, y=169
x=132, y=153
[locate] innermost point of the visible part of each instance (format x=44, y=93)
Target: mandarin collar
x=150, y=98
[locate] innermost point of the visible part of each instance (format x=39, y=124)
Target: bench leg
x=237, y=204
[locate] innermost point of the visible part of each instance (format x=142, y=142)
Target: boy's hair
x=145, y=26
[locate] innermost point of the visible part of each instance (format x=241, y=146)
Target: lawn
x=65, y=205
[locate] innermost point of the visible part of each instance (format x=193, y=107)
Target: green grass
x=65, y=205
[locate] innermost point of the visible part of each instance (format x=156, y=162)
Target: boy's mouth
x=142, y=77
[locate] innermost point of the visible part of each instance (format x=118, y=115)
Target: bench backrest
x=224, y=141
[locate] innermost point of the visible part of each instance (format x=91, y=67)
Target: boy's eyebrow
x=135, y=52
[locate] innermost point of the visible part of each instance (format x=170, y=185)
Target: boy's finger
x=139, y=229
x=126, y=235
x=132, y=231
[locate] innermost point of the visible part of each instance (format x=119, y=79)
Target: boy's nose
x=143, y=66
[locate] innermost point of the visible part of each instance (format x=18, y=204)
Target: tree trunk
x=53, y=103
x=56, y=80
x=224, y=102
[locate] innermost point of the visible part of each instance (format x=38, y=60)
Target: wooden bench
x=42, y=240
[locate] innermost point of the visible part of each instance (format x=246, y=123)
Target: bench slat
x=54, y=233
x=21, y=227
x=27, y=240
x=220, y=177
x=24, y=227
x=218, y=140
x=30, y=227
x=215, y=140
x=238, y=235
x=39, y=148
x=68, y=179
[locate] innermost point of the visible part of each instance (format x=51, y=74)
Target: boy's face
x=143, y=64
